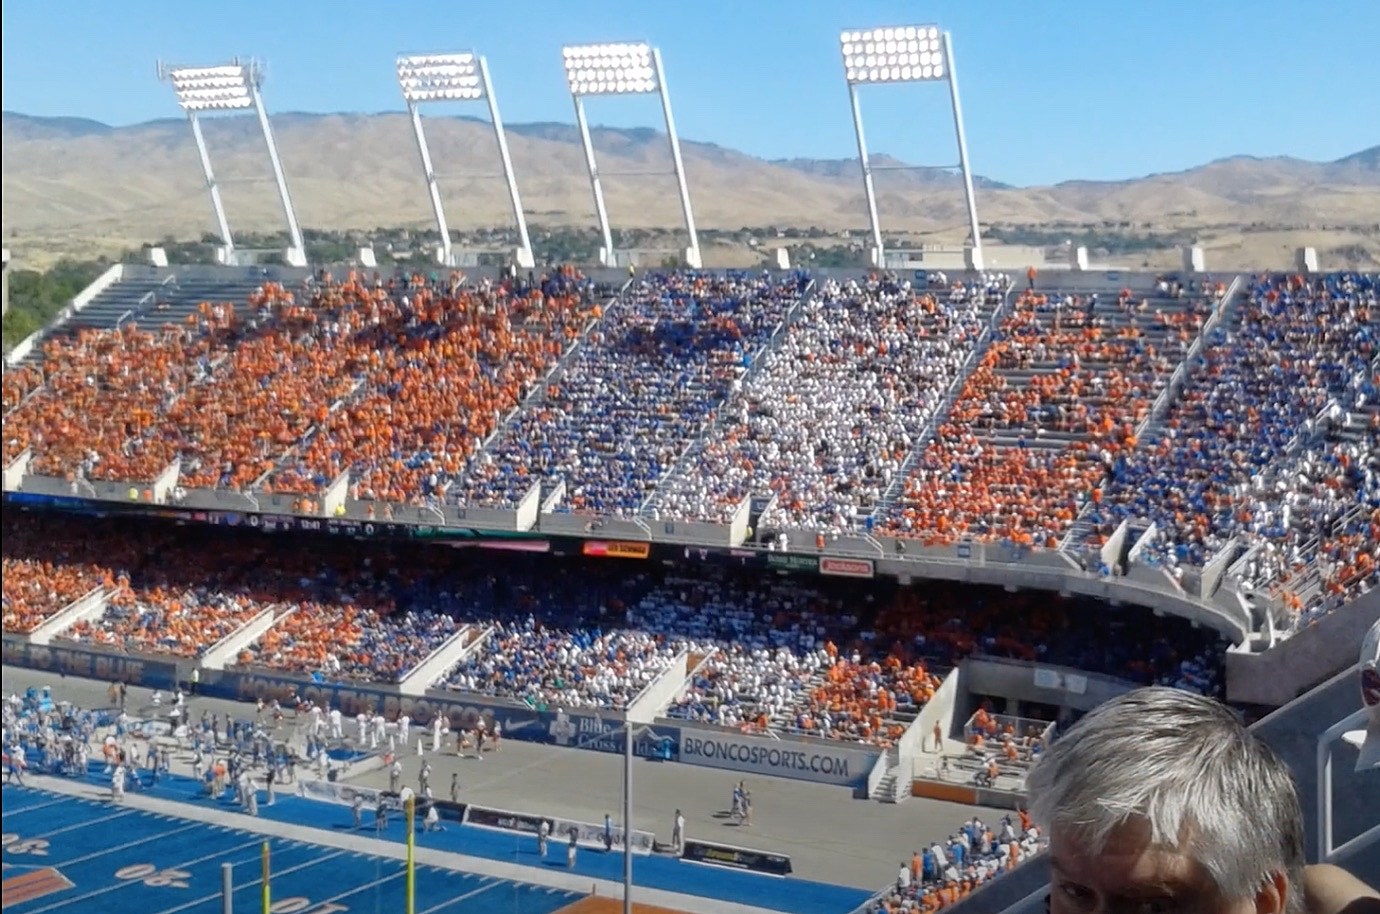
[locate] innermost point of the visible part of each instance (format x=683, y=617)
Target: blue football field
x=69, y=854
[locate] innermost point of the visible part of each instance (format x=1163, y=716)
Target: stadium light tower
x=457, y=78
x=919, y=53
x=629, y=68
x=232, y=87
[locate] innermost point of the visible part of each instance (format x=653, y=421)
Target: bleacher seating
x=641, y=388
x=434, y=372
x=855, y=403
x=230, y=389
x=834, y=411
x=1059, y=394
x=45, y=569
x=1276, y=439
x=697, y=389
x=809, y=655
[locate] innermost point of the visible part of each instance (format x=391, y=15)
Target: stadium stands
x=45, y=568
x=847, y=401
x=1061, y=391
x=104, y=390
x=947, y=872
x=643, y=386
x=1275, y=439
x=434, y=371
x=793, y=655
x=832, y=414
x=288, y=394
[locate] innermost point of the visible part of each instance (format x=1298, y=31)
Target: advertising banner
x=617, y=550
x=738, y=858
x=338, y=793
x=600, y=731
x=74, y=661
x=847, y=568
x=502, y=820
x=587, y=834
x=823, y=762
x=789, y=562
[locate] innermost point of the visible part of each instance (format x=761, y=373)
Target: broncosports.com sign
x=825, y=763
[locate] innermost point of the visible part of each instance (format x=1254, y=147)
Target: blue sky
x=1098, y=89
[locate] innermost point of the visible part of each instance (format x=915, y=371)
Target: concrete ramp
x=1292, y=667
x=456, y=648
x=86, y=608
x=228, y=648
x=648, y=705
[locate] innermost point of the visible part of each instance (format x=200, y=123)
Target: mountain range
x=72, y=183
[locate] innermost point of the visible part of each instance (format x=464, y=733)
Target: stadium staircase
x=992, y=316
x=894, y=787
x=125, y=300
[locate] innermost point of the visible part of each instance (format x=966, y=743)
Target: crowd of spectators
x=1057, y=396
x=1254, y=444
x=19, y=382
x=552, y=668
x=104, y=391
x=761, y=645
x=642, y=386
x=439, y=367
x=947, y=872
x=44, y=570
x=835, y=409
x=819, y=657
x=396, y=379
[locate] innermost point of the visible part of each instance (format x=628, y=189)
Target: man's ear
x=1273, y=897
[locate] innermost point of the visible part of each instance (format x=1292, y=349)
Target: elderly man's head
x=1161, y=801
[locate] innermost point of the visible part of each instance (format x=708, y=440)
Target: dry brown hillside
x=79, y=186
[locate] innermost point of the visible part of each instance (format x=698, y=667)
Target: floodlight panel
x=440, y=77
x=223, y=88
x=912, y=53
x=621, y=68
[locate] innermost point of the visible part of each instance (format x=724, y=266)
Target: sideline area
x=501, y=856
x=831, y=837
x=62, y=830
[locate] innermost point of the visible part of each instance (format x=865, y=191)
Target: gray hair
x=1206, y=786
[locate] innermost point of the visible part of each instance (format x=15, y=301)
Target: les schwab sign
x=617, y=550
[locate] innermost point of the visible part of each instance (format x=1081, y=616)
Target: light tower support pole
x=525, y=258
x=431, y=187
x=600, y=211
x=221, y=220
x=868, y=189
x=294, y=230
x=692, y=254
x=973, y=228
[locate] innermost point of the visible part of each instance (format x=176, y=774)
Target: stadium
x=757, y=585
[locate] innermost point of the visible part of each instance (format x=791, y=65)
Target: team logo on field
x=32, y=885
